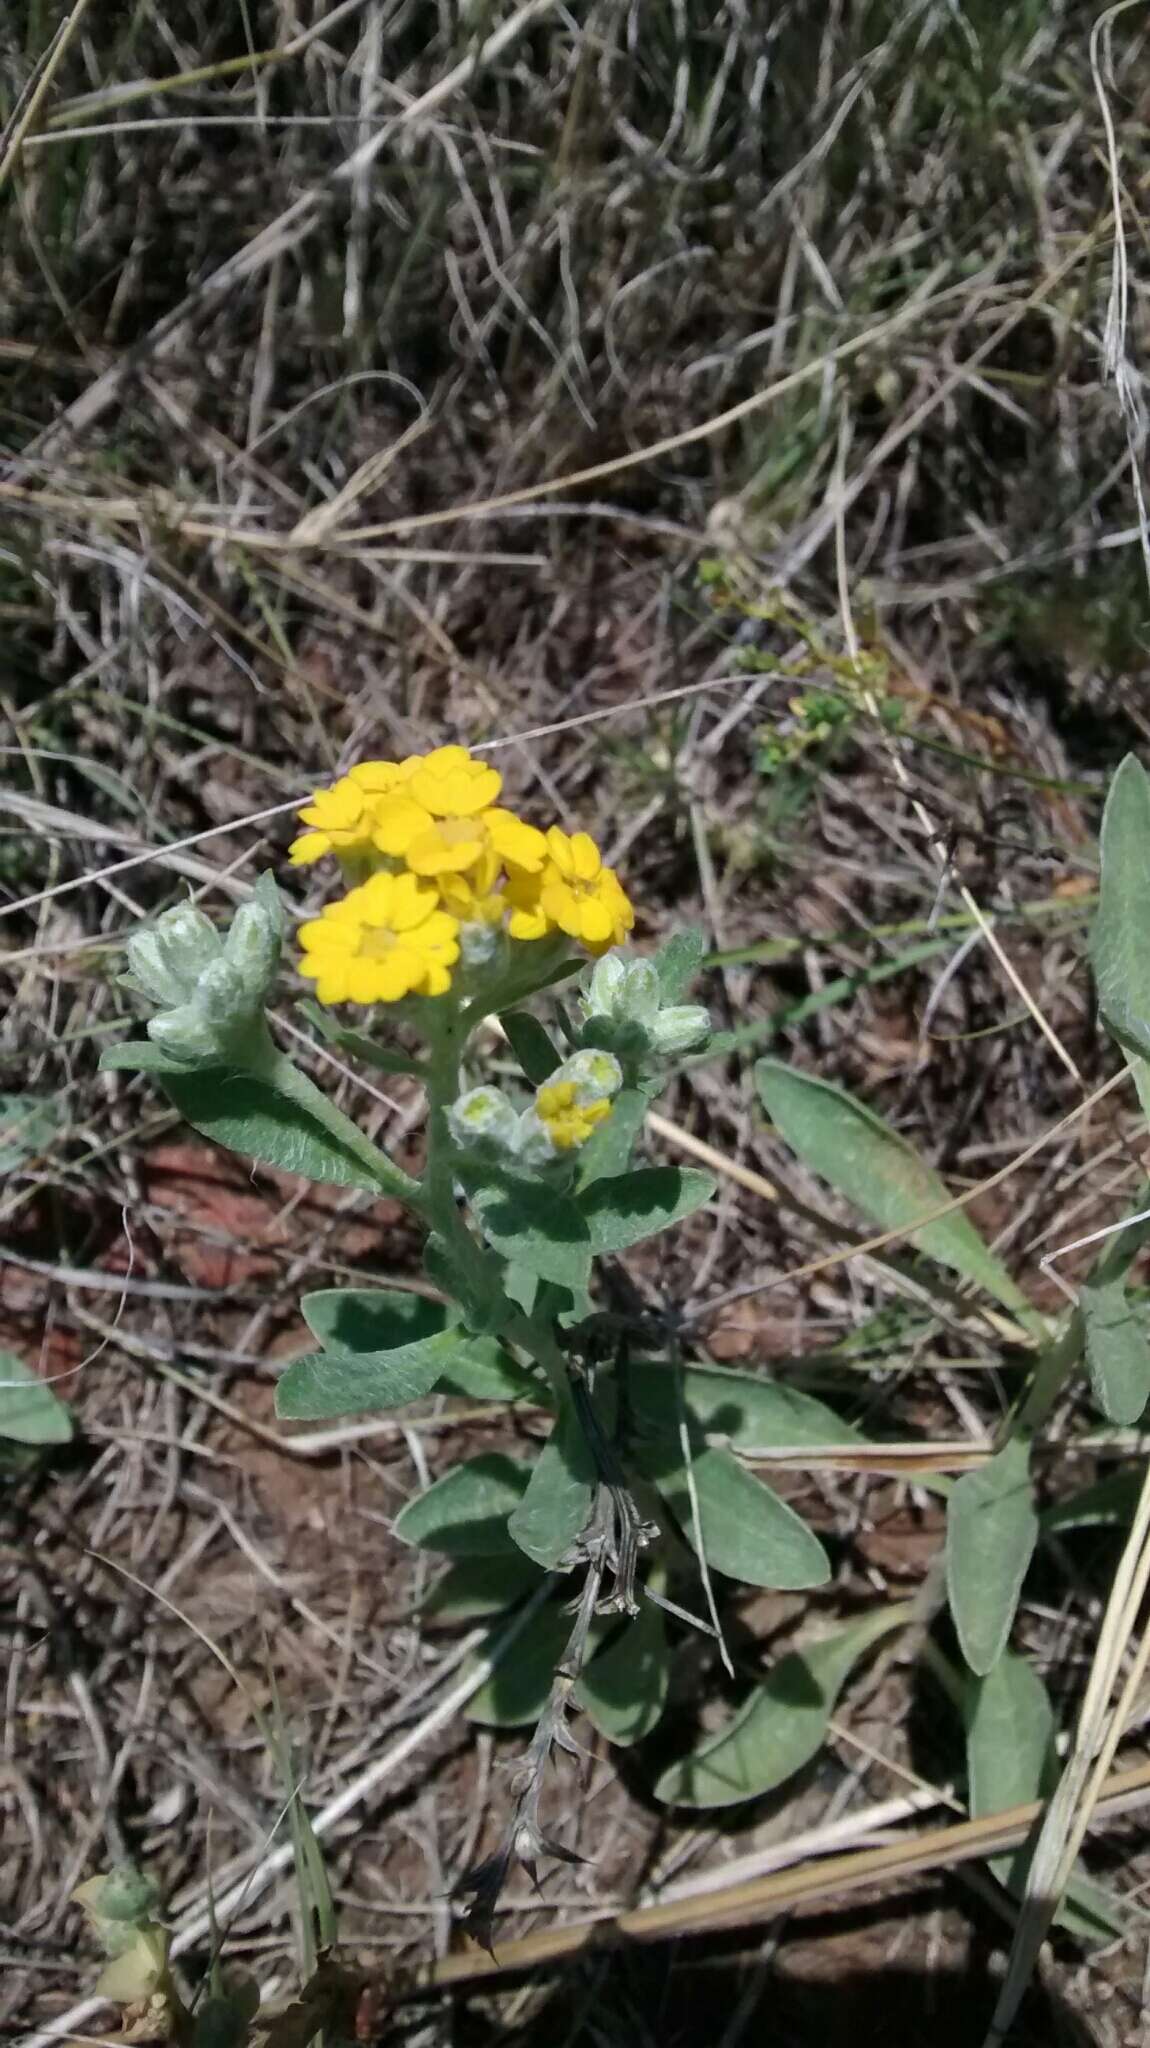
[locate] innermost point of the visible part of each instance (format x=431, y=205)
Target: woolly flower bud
x=675, y=1030
x=625, y=990
x=596, y=1075
x=211, y=990
x=483, y=1116
x=167, y=958
x=252, y=946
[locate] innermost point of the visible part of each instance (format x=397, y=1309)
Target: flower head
x=387, y=939
x=568, y=1121
x=576, y=894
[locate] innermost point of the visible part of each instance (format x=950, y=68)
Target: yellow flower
x=569, y=1122
x=573, y=893
x=449, y=784
x=343, y=818
x=388, y=938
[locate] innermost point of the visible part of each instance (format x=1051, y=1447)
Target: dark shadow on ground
x=830, y=1984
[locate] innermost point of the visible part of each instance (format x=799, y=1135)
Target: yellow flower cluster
x=568, y=1121
x=437, y=852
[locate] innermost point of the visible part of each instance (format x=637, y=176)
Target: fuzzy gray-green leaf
x=857, y=1153
x=991, y=1529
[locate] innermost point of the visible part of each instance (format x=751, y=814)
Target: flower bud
x=597, y=1075
x=676, y=1029
x=483, y=1116
x=166, y=958
x=252, y=946
x=623, y=989
x=185, y=1032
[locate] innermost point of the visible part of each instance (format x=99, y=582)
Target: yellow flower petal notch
x=568, y=1121
x=387, y=939
x=576, y=894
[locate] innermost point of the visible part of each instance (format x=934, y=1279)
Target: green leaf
x=677, y=964
x=139, y=1056
x=530, y=1044
x=252, y=1117
x=780, y=1726
x=370, y=1318
x=628, y=1207
x=608, y=1150
x=517, y=1690
x=465, y=1513
x=330, y=1383
x=1120, y=936
x=753, y=1412
x=623, y=1690
x=1117, y=1349
x=1117, y=1342
x=748, y=1532
x=484, y=1371
x=30, y=1413
x=1011, y=1759
x=991, y=1528
x=530, y=970
x=358, y=1044
x=478, y=1587
x=558, y=1499
x=28, y=1124
x=533, y=1225
x=1009, y=1736
x=844, y=1142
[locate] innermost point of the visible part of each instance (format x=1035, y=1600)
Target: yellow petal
x=308, y=847
x=515, y=841
x=433, y=854
x=585, y=857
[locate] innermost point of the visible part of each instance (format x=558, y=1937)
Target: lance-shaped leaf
x=464, y=1514
x=530, y=1044
x=677, y=963
x=991, y=1530
x=478, y=1587
x=1120, y=937
x=628, y=1207
x=1011, y=1759
x=751, y=1411
x=1117, y=1338
x=329, y=1383
x=782, y=1723
x=747, y=1531
x=852, y=1148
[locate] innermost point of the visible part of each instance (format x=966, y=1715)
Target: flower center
x=376, y=942
x=457, y=831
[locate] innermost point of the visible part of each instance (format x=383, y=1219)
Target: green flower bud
x=186, y=1033
x=676, y=1029
x=623, y=989
x=252, y=946
x=485, y=1117
x=166, y=959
